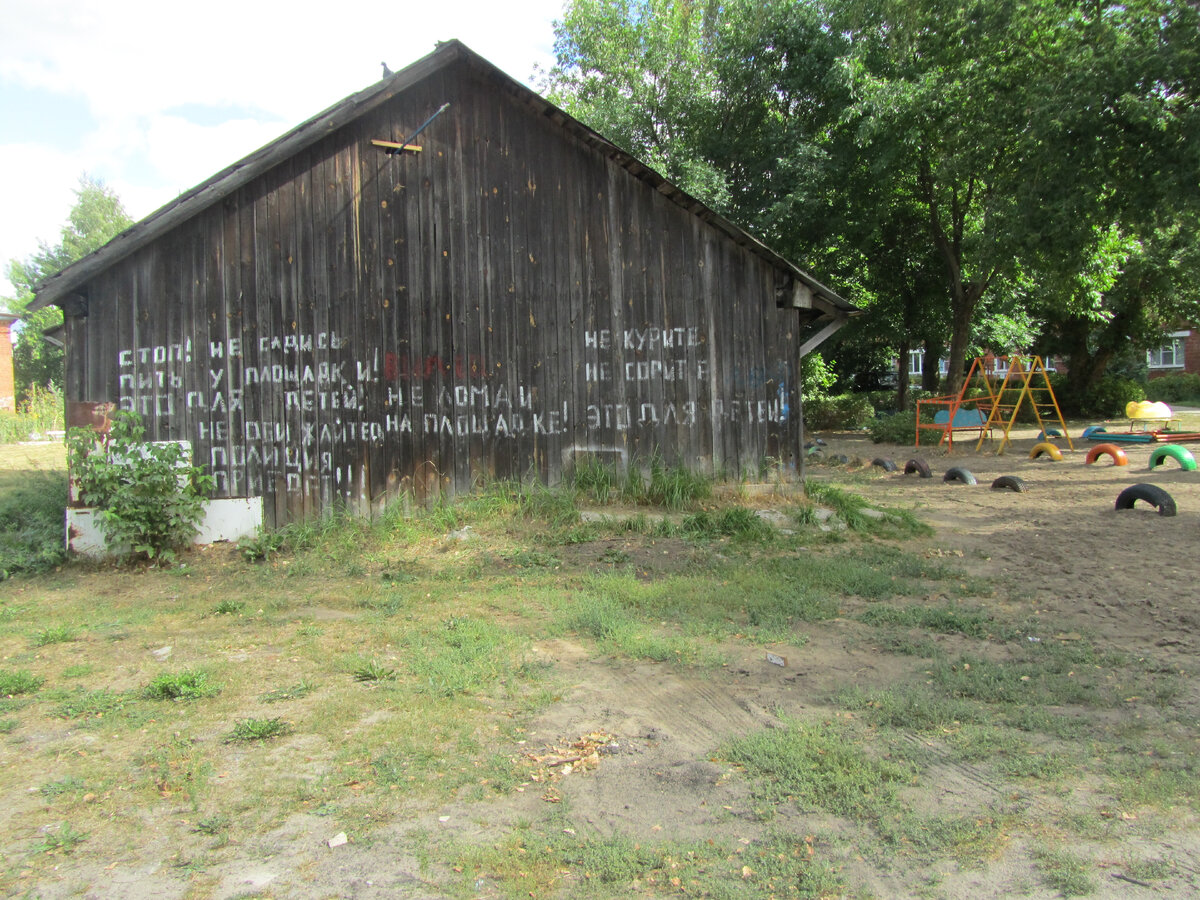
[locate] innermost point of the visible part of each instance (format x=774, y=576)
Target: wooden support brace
x=395, y=147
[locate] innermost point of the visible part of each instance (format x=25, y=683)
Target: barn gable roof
x=58, y=289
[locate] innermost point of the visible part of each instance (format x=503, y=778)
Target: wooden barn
x=342, y=315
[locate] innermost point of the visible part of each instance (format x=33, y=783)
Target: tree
x=1014, y=132
x=1132, y=290
x=95, y=219
x=639, y=72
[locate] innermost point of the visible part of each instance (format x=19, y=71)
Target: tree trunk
x=931, y=378
x=902, y=377
x=963, y=300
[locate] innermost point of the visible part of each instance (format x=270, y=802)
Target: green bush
x=1107, y=399
x=898, y=428
x=40, y=412
x=844, y=412
x=149, y=498
x=1178, y=388
x=31, y=524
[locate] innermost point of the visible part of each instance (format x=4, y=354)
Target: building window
x=916, y=364
x=915, y=360
x=1170, y=354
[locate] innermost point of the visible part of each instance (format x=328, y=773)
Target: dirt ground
x=1127, y=579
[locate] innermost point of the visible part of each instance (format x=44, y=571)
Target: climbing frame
x=1026, y=375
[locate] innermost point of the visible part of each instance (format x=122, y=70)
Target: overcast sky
x=154, y=96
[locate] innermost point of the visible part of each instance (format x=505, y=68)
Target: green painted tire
x=1181, y=455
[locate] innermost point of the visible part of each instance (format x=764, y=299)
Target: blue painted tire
x=1093, y=429
x=1049, y=433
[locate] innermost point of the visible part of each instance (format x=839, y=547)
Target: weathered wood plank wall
x=351, y=324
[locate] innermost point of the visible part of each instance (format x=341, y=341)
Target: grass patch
x=62, y=839
x=32, y=507
x=538, y=859
x=191, y=684
x=84, y=704
x=815, y=766
x=1042, y=674
x=975, y=623
x=1066, y=872
x=53, y=634
x=258, y=729
x=467, y=654
x=372, y=670
x=178, y=766
x=229, y=608
x=69, y=785
x=734, y=522
x=914, y=708
x=14, y=682
x=296, y=691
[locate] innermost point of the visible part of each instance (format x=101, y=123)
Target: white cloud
x=35, y=199
x=144, y=67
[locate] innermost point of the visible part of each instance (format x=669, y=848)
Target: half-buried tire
x=1010, y=483
x=959, y=474
x=1049, y=449
x=1150, y=493
x=1181, y=455
x=918, y=465
x=1118, y=455
x=886, y=464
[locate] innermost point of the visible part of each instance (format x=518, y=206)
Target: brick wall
x=1191, y=357
x=8, y=401
x=1191, y=352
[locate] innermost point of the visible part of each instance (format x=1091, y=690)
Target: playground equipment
x=1151, y=493
x=1143, y=414
x=1118, y=455
x=1145, y=423
x=959, y=474
x=988, y=401
x=1011, y=483
x=884, y=463
x=1181, y=455
x=1049, y=449
x=918, y=465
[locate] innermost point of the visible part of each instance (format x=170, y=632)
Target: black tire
x=886, y=464
x=959, y=474
x=1151, y=493
x=1010, y=482
x=918, y=465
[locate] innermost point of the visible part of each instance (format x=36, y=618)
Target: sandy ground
x=1128, y=579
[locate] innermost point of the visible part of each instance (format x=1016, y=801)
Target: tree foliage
x=95, y=219
x=971, y=170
